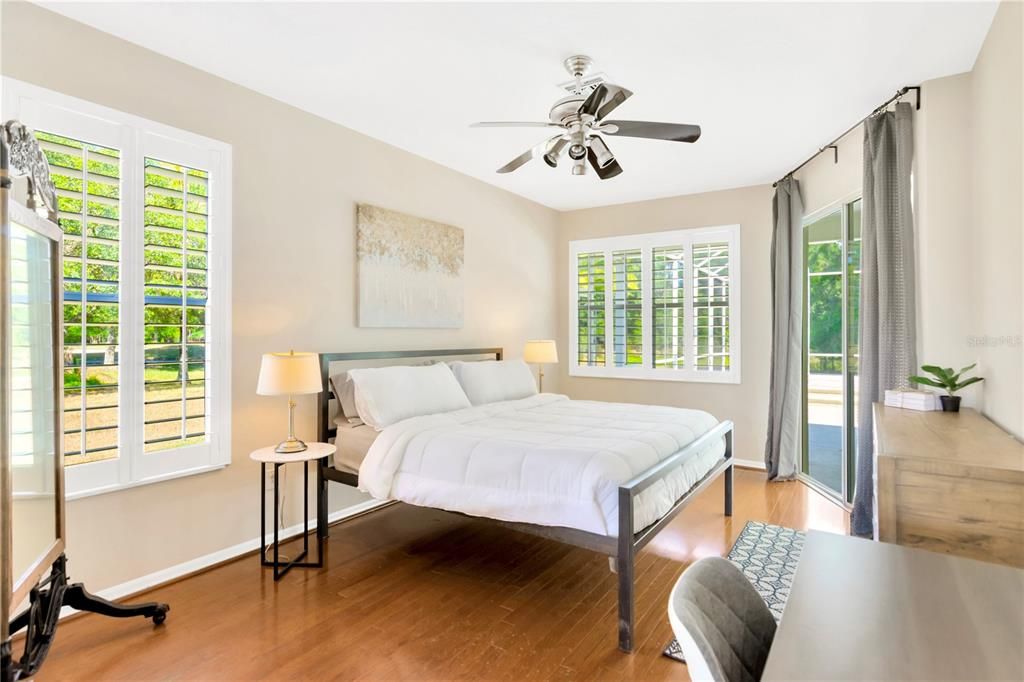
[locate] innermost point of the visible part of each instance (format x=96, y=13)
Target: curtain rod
x=832, y=145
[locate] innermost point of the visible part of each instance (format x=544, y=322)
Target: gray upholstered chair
x=721, y=623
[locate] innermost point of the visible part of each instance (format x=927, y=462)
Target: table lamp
x=540, y=353
x=289, y=374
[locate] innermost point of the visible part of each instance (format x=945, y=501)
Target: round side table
x=267, y=456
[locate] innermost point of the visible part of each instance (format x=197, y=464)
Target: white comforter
x=545, y=459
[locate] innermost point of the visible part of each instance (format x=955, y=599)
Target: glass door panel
x=852, y=391
x=831, y=348
x=823, y=345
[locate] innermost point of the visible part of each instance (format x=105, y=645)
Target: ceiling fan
x=581, y=116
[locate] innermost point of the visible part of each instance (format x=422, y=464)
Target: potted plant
x=947, y=379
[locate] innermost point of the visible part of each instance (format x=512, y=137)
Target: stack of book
x=922, y=401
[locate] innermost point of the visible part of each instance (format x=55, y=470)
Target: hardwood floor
x=410, y=593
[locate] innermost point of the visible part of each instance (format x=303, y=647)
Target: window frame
x=647, y=242
x=137, y=138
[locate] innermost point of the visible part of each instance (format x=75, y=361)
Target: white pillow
x=345, y=393
x=385, y=395
x=491, y=381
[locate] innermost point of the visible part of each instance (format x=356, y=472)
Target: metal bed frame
x=622, y=549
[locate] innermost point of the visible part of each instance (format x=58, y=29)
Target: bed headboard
x=325, y=427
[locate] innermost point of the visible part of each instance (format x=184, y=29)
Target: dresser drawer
x=969, y=501
x=984, y=542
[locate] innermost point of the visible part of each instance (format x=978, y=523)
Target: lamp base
x=290, y=445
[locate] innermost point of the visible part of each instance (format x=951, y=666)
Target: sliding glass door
x=830, y=359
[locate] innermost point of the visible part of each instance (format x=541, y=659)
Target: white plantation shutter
x=146, y=215
x=88, y=181
x=673, y=303
x=627, y=307
x=590, y=321
x=176, y=221
x=669, y=301
x=711, y=306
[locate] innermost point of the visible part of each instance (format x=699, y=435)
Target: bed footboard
x=630, y=543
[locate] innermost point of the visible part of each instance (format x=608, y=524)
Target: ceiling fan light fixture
x=579, y=167
x=551, y=158
x=601, y=152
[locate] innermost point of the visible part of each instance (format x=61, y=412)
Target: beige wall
x=996, y=219
x=744, y=403
x=968, y=181
x=824, y=181
x=296, y=181
x=943, y=208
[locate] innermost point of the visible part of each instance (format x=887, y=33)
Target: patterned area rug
x=768, y=556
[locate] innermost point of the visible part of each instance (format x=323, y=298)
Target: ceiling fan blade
x=602, y=159
x=529, y=155
x=604, y=98
x=514, y=124
x=617, y=95
x=594, y=100
x=673, y=132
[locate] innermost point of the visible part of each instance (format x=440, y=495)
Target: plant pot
x=950, y=403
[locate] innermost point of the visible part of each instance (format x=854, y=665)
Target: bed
x=573, y=471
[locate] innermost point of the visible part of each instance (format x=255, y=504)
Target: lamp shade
x=541, y=352
x=289, y=374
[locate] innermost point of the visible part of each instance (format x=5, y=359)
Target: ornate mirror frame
x=27, y=195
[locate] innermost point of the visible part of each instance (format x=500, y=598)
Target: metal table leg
x=281, y=569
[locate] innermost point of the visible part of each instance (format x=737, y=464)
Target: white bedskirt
x=545, y=460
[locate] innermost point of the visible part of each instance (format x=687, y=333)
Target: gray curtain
x=782, y=448
x=888, y=335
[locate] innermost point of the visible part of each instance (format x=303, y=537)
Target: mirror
x=31, y=465
x=32, y=408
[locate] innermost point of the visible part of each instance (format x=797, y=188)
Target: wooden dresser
x=949, y=482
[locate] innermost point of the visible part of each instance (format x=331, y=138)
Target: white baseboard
x=166, y=575
x=748, y=463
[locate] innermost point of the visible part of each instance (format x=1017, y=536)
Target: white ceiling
x=768, y=82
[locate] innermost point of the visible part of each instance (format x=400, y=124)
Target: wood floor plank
x=409, y=593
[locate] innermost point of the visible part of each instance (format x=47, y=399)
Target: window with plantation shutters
x=673, y=304
x=88, y=181
x=145, y=212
